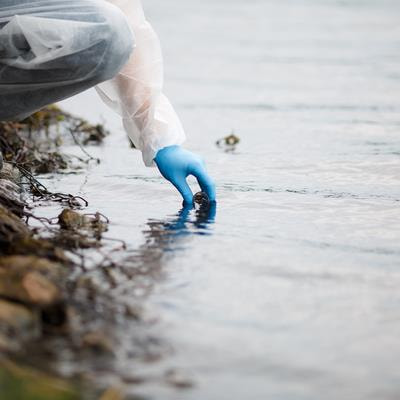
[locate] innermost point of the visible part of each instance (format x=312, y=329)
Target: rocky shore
x=45, y=315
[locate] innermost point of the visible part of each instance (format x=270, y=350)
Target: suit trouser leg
x=54, y=49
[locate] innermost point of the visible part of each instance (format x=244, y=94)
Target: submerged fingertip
x=187, y=202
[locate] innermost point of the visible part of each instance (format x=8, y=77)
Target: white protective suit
x=53, y=49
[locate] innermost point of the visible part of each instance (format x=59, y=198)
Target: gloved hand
x=176, y=163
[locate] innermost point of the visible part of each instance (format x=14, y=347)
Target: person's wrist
x=165, y=150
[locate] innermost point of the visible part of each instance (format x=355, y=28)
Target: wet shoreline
x=49, y=311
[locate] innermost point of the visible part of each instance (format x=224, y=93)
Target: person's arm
x=136, y=92
x=148, y=116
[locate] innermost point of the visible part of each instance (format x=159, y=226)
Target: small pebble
x=200, y=199
x=178, y=379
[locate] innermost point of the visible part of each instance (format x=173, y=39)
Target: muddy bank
x=58, y=314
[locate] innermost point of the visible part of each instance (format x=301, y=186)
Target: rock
x=10, y=198
x=9, y=173
x=11, y=228
x=81, y=231
x=200, y=199
x=98, y=342
x=31, y=280
x=45, y=248
x=10, y=187
x=178, y=379
x=49, y=162
x=39, y=289
x=6, y=344
x=133, y=379
x=134, y=312
x=72, y=220
x=17, y=324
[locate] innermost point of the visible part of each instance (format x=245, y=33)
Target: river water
x=290, y=288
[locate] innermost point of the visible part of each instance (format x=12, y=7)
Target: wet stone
x=9, y=173
x=10, y=197
x=17, y=324
x=98, y=342
x=133, y=379
x=72, y=220
x=178, y=379
x=201, y=200
x=30, y=280
x=50, y=162
x=11, y=228
x=28, y=245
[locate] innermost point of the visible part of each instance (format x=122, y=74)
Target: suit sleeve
x=136, y=91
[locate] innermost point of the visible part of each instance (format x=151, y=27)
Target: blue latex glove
x=176, y=163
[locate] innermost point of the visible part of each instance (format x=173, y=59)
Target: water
x=291, y=290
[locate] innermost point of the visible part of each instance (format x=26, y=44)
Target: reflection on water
x=170, y=234
x=163, y=240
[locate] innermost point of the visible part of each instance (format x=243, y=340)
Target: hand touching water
x=176, y=164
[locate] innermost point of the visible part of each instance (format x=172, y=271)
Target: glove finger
x=206, y=183
x=184, y=189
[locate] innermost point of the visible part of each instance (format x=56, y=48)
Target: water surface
x=290, y=291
